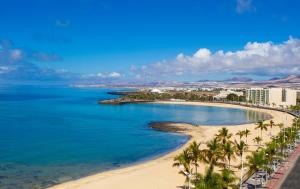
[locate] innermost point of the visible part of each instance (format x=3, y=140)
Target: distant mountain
x=288, y=79
x=204, y=80
x=234, y=79
x=292, y=81
x=239, y=79
x=274, y=78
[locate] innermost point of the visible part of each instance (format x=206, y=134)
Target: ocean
x=53, y=134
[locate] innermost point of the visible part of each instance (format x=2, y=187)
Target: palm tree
x=228, y=178
x=187, y=171
x=256, y=161
x=240, y=148
x=247, y=133
x=257, y=140
x=281, y=127
x=209, y=180
x=223, y=135
x=212, y=155
x=229, y=151
x=261, y=126
x=240, y=134
x=195, y=154
x=281, y=142
x=291, y=135
x=295, y=125
x=183, y=161
x=271, y=125
x=297, y=122
x=182, y=158
x=272, y=152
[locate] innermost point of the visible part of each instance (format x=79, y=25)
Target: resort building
x=224, y=93
x=273, y=97
x=155, y=90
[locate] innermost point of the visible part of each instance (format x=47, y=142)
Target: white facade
x=223, y=94
x=273, y=97
x=155, y=90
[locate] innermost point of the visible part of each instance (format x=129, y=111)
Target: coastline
x=158, y=172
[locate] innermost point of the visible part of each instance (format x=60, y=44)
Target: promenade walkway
x=293, y=178
x=282, y=176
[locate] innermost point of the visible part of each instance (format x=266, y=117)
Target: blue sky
x=127, y=39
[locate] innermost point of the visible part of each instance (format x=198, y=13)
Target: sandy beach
x=159, y=173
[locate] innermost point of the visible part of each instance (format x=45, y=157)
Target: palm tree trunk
x=271, y=131
x=260, y=137
x=241, y=171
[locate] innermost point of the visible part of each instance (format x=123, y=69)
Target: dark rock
x=166, y=126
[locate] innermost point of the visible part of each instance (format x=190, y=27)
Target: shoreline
x=79, y=183
x=158, y=172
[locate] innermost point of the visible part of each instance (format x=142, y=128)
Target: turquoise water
x=49, y=135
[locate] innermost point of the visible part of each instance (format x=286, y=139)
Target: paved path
x=283, y=174
x=293, y=181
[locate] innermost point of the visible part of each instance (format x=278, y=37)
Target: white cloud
x=99, y=75
x=19, y=64
x=133, y=68
x=114, y=75
x=256, y=58
x=4, y=69
x=203, y=54
x=244, y=6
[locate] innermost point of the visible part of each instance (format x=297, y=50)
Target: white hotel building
x=273, y=97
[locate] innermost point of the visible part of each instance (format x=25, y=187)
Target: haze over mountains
x=292, y=81
x=288, y=81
